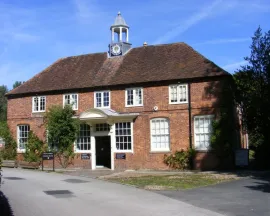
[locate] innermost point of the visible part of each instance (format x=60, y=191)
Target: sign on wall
x=85, y=156
x=241, y=157
x=121, y=156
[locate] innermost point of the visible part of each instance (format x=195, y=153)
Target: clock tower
x=119, y=37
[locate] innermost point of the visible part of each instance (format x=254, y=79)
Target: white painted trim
x=102, y=99
x=194, y=135
x=160, y=149
x=132, y=148
x=39, y=111
x=77, y=100
x=134, y=92
x=178, y=102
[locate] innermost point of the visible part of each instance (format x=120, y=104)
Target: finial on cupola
x=119, y=37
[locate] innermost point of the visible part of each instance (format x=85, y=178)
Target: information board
x=85, y=156
x=120, y=156
x=241, y=157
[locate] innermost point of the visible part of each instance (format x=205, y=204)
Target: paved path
x=245, y=197
x=35, y=193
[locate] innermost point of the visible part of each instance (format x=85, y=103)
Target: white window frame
x=178, y=95
x=134, y=97
x=84, y=151
x=18, y=137
x=74, y=108
x=194, y=125
x=102, y=99
x=131, y=134
x=151, y=134
x=39, y=104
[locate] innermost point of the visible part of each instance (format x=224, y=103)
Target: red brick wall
x=202, y=101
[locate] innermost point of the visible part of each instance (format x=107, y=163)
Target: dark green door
x=103, y=151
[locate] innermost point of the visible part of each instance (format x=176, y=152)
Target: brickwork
x=202, y=102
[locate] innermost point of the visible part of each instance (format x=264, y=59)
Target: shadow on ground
x=262, y=183
x=5, y=209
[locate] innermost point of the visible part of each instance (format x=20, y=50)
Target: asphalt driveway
x=245, y=197
x=32, y=193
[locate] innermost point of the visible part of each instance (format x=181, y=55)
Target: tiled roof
x=140, y=65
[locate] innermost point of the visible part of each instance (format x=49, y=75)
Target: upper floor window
x=102, y=99
x=39, y=104
x=84, y=138
x=123, y=136
x=178, y=94
x=160, y=134
x=134, y=97
x=203, y=131
x=22, y=136
x=71, y=99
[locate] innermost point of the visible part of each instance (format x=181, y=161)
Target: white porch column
x=120, y=34
x=112, y=34
x=127, y=36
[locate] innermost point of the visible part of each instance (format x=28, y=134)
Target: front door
x=103, y=151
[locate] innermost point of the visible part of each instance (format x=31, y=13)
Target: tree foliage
x=62, y=131
x=3, y=103
x=34, y=148
x=253, y=96
x=16, y=84
x=10, y=150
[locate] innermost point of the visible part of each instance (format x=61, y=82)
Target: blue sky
x=34, y=34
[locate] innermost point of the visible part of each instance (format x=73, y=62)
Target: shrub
x=180, y=159
x=10, y=150
x=62, y=132
x=34, y=148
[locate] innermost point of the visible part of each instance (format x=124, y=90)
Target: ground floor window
x=160, y=134
x=84, y=138
x=203, y=131
x=22, y=136
x=123, y=136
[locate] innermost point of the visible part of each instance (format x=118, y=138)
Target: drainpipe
x=189, y=116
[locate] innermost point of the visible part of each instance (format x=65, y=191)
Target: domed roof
x=119, y=21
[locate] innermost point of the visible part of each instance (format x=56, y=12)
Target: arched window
x=84, y=138
x=160, y=134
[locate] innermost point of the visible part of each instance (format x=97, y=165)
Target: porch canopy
x=106, y=115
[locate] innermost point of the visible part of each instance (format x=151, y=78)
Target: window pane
x=98, y=99
x=160, y=134
x=129, y=97
x=123, y=136
x=106, y=99
x=84, y=138
x=173, y=94
x=23, y=131
x=203, y=130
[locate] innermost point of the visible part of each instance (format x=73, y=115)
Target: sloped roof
x=139, y=65
x=119, y=21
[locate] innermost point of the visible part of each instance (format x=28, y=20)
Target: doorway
x=103, y=151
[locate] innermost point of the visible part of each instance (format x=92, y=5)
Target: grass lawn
x=172, y=182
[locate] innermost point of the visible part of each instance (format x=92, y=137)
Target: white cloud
x=224, y=41
x=191, y=21
x=234, y=66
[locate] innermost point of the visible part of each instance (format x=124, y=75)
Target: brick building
x=138, y=103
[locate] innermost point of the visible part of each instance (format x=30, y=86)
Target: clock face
x=116, y=49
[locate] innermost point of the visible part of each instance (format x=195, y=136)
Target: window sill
x=186, y=102
x=38, y=112
x=127, y=106
x=20, y=150
x=160, y=152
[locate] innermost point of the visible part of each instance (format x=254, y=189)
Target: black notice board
x=242, y=157
x=121, y=156
x=48, y=156
x=85, y=156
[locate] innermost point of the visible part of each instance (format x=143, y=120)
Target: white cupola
x=119, y=37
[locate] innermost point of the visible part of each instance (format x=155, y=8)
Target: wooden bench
x=9, y=163
x=29, y=165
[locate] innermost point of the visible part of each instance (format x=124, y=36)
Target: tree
x=253, y=96
x=10, y=150
x=34, y=148
x=3, y=103
x=62, y=131
x=16, y=84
